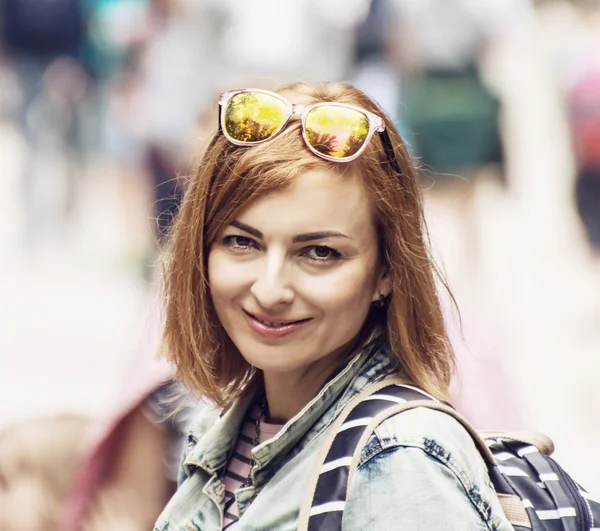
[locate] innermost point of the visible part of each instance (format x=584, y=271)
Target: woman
x=297, y=275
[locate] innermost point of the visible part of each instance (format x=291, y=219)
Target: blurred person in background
x=114, y=28
x=119, y=30
x=480, y=367
x=581, y=75
x=129, y=467
x=372, y=70
x=130, y=455
x=157, y=61
x=177, y=72
x=37, y=460
x=451, y=111
x=43, y=41
x=310, y=39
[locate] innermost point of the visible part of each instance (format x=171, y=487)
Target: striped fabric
x=330, y=494
x=552, y=499
x=240, y=463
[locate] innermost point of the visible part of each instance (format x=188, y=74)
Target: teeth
x=271, y=324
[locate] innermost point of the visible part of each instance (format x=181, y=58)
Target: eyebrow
x=299, y=238
x=246, y=228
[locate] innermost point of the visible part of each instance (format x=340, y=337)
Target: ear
x=383, y=285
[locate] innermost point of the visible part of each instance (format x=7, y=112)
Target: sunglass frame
x=376, y=123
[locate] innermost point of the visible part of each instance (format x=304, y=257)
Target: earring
x=381, y=302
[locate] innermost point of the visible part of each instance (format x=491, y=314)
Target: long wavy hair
x=229, y=178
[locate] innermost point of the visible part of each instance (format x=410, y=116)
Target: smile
x=274, y=329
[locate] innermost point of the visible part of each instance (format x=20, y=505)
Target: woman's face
x=292, y=278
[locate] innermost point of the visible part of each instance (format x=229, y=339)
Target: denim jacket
x=420, y=469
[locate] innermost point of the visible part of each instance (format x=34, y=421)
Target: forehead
x=316, y=200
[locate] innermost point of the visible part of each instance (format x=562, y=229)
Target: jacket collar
x=213, y=447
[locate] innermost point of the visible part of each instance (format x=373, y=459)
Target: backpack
x=534, y=491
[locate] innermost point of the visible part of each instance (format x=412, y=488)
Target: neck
x=286, y=397
x=288, y=392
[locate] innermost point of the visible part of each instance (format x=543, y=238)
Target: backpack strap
x=323, y=505
x=306, y=507
x=542, y=442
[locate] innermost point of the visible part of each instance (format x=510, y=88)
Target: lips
x=269, y=321
x=266, y=326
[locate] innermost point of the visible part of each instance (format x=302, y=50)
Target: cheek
x=226, y=278
x=345, y=290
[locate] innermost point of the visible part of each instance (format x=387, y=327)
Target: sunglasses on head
x=333, y=131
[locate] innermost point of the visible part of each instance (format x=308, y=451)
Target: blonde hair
x=229, y=178
x=47, y=451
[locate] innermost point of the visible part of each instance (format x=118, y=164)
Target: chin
x=274, y=359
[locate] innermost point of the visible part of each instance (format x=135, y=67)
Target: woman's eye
x=238, y=242
x=322, y=253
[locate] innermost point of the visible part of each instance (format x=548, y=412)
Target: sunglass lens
x=253, y=116
x=336, y=131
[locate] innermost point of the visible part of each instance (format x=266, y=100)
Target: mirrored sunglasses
x=333, y=131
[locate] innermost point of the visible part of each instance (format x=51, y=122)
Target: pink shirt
x=240, y=463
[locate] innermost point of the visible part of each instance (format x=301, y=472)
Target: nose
x=272, y=287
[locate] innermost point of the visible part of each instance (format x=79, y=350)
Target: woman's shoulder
x=436, y=433
x=426, y=463
x=442, y=443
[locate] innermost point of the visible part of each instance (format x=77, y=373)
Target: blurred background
x=105, y=105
